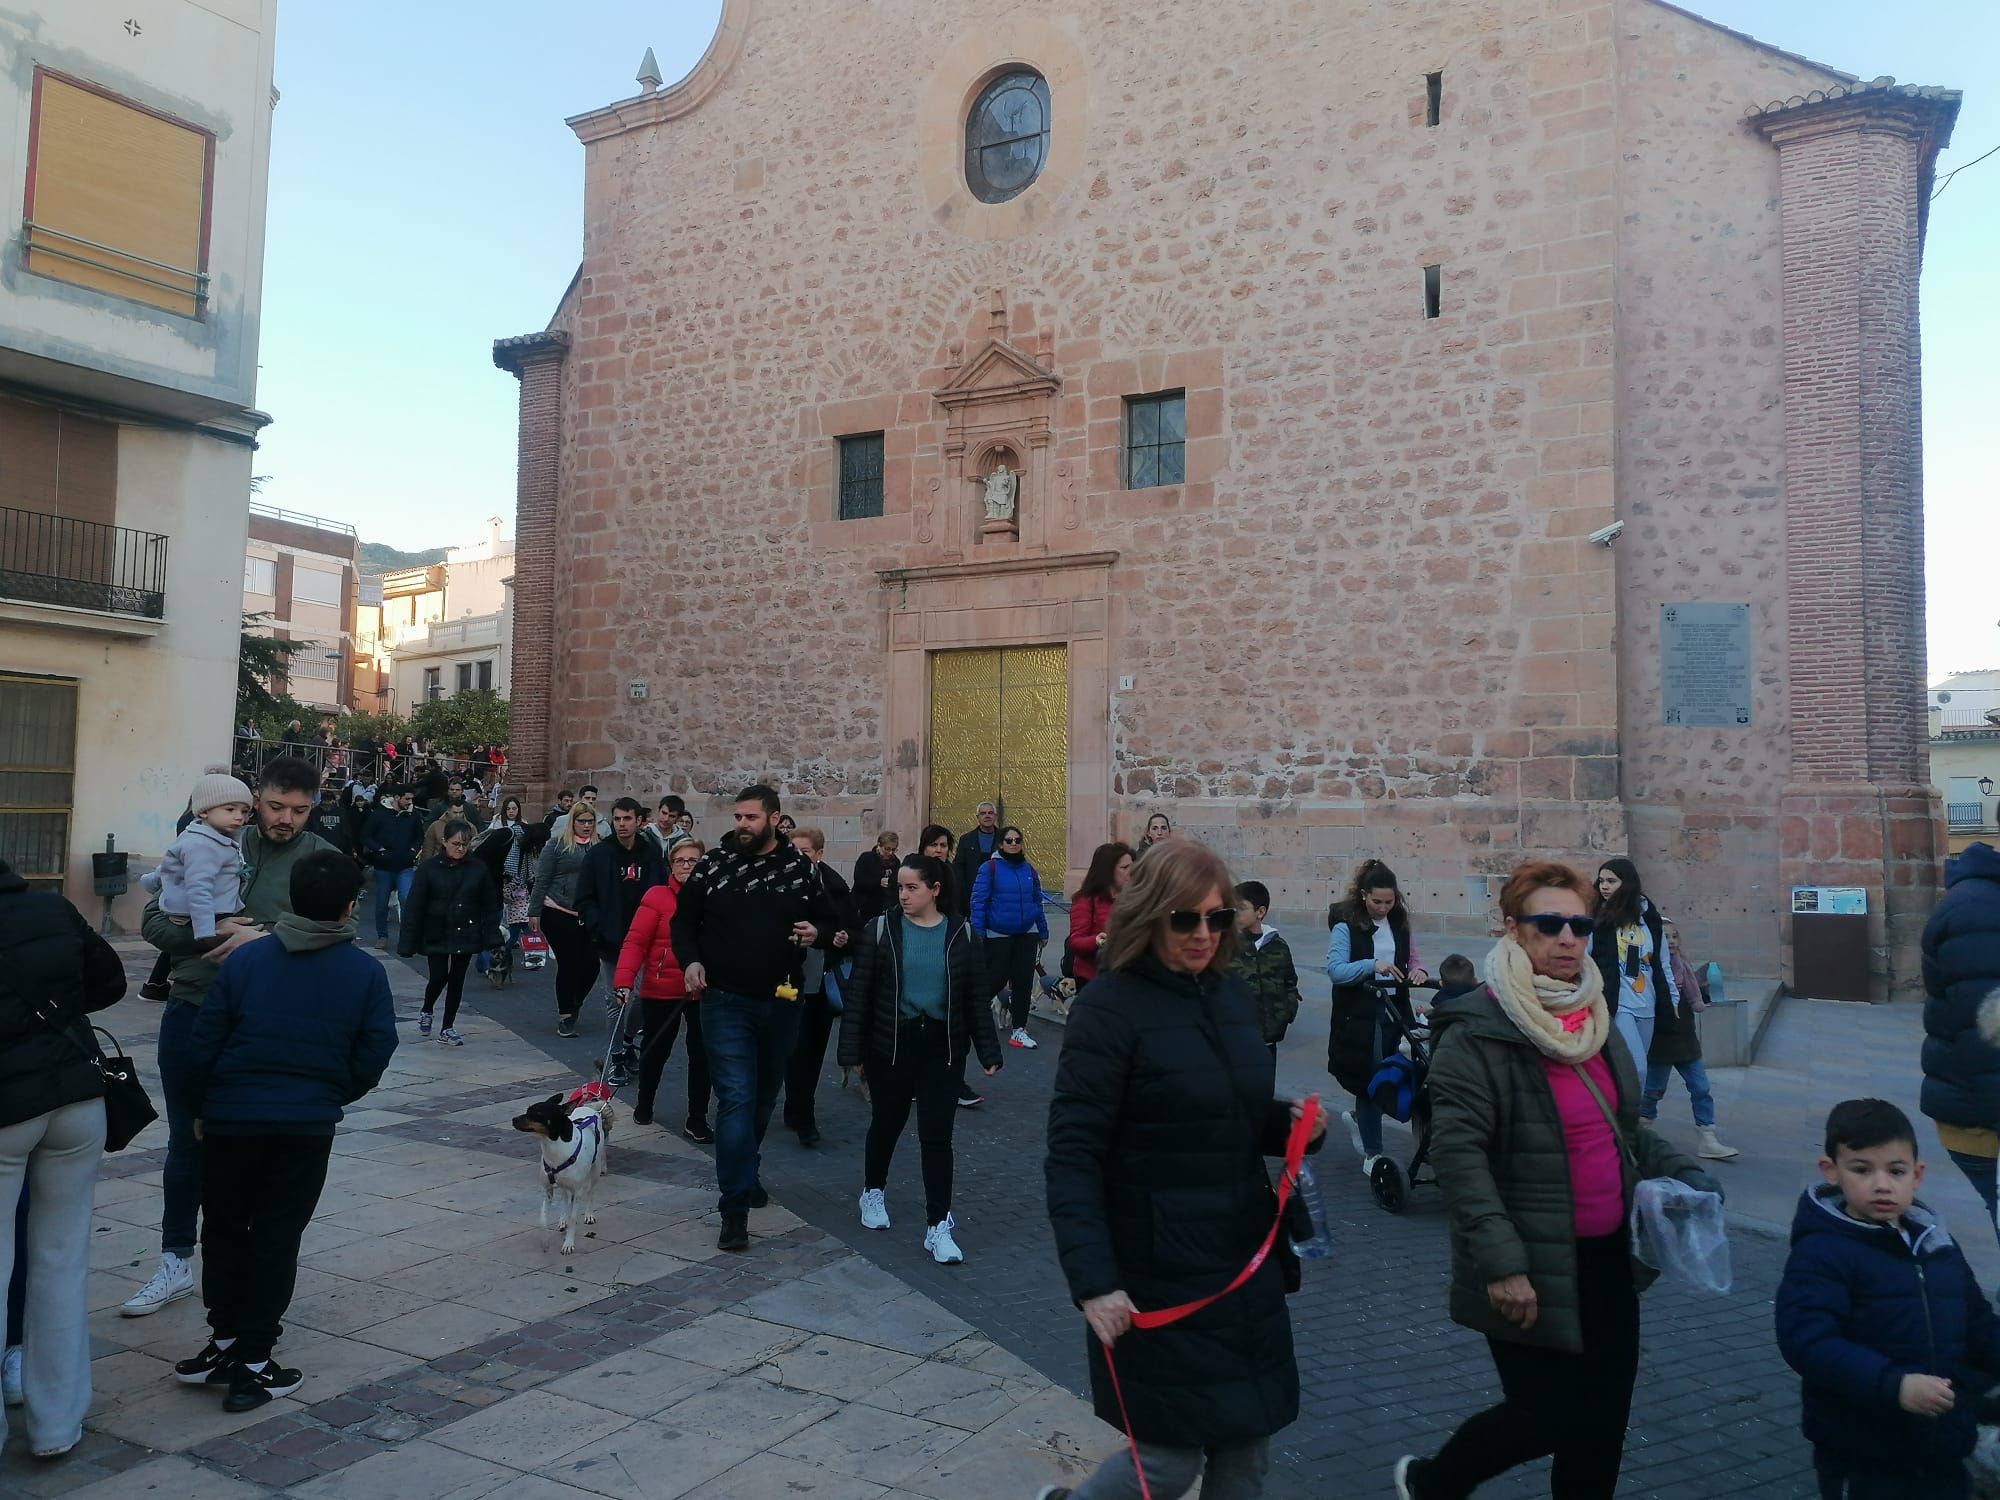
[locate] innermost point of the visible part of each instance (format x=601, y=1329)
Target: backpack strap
x=1625, y=1153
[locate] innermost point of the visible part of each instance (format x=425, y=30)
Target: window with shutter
x=118, y=196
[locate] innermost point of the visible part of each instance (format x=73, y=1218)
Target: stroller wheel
x=1390, y=1186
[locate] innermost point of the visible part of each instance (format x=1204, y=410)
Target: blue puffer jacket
x=1007, y=899
x=297, y=1026
x=1962, y=983
x=1859, y=1309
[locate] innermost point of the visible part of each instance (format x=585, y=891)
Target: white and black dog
x=576, y=1140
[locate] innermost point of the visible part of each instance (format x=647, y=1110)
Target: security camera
x=1604, y=536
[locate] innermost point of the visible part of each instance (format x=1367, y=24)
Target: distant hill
x=379, y=557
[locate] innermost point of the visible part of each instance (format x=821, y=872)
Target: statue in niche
x=1002, y=485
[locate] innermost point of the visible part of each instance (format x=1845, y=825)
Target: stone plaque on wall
x=1705, y=665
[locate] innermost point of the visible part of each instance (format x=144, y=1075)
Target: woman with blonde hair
x=1163, y=1113
x=1538, y=1146
x=556, y=918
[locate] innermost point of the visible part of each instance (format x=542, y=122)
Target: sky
x=426, y=198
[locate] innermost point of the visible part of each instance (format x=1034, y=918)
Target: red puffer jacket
x=648, y=956
x=1088, y=917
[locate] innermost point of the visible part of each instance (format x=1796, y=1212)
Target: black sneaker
x=759, y=1198
x=565, y=1026
x=154, y=989
x=808, y=1138
x=1409, y=1472
x=735, y=1233
x=698, y=1132
x=249, y=1389
x=617, y=1078
x=643, y=1115
x=210, y=1367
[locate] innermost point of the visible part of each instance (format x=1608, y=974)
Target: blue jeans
x=180, y=1179
x=749, y=1041
x=387, y=881
x=1368, y=1125
x=1693, y=1074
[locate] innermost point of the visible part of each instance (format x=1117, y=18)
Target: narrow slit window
x=1433, y=97
x=1433, y=291
x=860, y=476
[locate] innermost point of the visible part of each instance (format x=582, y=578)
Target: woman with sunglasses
x=1007, y=914
x=1537, y=1143
x=1163, y=1113
x=1371, y=958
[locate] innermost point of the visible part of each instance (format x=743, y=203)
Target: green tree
x=259, y=659
x=477, y=716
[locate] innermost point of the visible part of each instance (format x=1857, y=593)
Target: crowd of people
x=1545, y=1064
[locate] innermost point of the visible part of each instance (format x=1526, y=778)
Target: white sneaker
x=943, y=1248
x=1368, y=1165
x=874, y=1210
x=10, y=1376
x=172, y=1281
x=1020, y=1038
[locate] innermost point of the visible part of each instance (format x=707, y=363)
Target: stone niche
x=1000, y=415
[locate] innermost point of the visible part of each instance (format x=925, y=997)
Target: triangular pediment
x=997, y=369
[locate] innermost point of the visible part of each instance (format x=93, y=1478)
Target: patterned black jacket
x=735, y=917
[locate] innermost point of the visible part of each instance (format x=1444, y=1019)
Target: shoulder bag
x=127, y=1107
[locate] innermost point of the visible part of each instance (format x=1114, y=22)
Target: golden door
x=1000, y=733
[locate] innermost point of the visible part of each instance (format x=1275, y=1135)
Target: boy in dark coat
x=1883, y=1319
x=294, y=1030
x=1264, y=963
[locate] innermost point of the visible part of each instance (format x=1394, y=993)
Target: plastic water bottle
x=1320, y=1246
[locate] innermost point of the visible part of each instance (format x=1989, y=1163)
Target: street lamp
x=1986, y=786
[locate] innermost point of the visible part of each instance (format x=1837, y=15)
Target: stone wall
x=1368, y=622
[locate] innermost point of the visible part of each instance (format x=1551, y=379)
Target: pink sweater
x=1596, y=1186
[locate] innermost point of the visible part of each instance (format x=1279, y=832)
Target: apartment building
x=302, y=582
x=134, y=156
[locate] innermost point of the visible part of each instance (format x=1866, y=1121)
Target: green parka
x=267, y=896
x=1503, y=1167
x=1273, y=982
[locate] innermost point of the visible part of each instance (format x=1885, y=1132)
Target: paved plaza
x=451, y=1354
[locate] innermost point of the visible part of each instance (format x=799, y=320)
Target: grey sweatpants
x=1227, y=1471
x=58, y=1153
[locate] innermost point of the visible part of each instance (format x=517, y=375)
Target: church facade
x=1458, y=433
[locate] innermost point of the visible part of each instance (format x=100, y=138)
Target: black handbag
x=128, y=1109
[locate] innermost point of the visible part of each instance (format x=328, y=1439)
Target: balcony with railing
x=70, y=564
x=1965, y=817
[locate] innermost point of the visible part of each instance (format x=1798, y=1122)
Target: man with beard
x=616, y=874
x=275, y=840
x=741, y=929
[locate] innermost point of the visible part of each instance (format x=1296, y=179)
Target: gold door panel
x=1000, y=733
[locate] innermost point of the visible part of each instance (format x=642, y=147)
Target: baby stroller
x=1398, y=1090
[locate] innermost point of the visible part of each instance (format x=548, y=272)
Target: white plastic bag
x=1679, y=1232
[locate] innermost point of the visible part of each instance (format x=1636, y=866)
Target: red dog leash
x=1295, y=1154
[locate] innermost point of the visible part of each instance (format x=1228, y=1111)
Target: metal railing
x=1964, y=815
x=59, y=560
x=110, y=260
x=299, y=518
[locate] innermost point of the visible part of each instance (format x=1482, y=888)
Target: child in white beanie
x=200, y=877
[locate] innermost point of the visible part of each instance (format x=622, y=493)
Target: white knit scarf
x=1537, y=1004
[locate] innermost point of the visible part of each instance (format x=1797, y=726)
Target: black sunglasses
x=1549, y=925
x=1010, y=841
x=1220, y=920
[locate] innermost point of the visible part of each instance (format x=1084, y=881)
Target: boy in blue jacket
x=296, y=1027
x=1883, y=1319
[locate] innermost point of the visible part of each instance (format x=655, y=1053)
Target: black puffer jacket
x=1162, y=1117
x=1962, y=986
x=874, y=995
x=454, y=908
x=50, y=959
